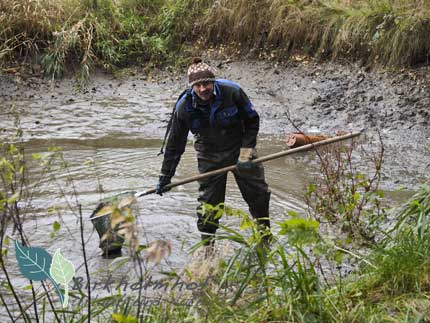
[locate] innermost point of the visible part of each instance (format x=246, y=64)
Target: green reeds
x=104, y=33
x=414, y=216
x=397, y=285
x=289, y=283
x=261, y=283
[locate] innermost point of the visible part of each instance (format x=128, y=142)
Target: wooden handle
x=256, y=161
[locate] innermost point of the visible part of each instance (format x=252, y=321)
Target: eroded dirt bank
x=319, y=98
x=327, y=98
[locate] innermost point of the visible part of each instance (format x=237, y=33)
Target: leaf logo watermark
x=37, y=264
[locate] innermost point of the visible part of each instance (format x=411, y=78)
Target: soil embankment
x=327, y=98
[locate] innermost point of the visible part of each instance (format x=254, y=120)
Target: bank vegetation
x=55, y=36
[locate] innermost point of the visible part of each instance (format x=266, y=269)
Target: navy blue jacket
x=228, y=123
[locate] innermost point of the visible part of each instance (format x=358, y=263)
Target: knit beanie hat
x=200, y=72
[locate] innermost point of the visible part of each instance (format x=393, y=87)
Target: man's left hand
x=162, y=182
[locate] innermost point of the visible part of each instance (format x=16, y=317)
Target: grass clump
x=105, y=33
x=405, y=257
x=397, y=285
x=393, y=33
x=114, y=34
x=25, y=27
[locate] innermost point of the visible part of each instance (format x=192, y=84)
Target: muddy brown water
x=111, y=134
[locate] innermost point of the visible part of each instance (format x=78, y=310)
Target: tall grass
x=376, y=32
x=397, y=285
x=26, y=26
x=298, y=280
x=111, y=34
x=105, y=33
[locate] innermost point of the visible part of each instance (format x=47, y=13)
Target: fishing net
x=114, y=221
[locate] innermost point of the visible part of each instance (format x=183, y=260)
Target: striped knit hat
x=200, y=72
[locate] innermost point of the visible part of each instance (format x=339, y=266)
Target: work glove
x=245, y=157
x=163, y=180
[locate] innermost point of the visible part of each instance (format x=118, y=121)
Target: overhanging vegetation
x=120, y=33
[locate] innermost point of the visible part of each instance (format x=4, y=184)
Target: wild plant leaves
x=104, y=211
x=157, y=249
x=127, y=201
x=117, y=218
x=121, y=318
x=300, y=231
x=110, y=208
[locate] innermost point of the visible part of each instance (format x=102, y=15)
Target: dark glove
x=245, y=158
x=162, y=181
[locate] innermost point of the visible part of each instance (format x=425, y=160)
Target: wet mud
x=318, y=98
x=329, y=98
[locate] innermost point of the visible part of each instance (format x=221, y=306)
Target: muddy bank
x=321, y=98
x=327, y=98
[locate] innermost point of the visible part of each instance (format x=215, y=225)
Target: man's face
x=204, y=90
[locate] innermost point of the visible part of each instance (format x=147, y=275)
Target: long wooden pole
x=255, y=161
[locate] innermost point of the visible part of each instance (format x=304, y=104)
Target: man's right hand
x=245, y=158
x=162, y=182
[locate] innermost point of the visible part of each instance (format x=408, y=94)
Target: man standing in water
x=225, y=126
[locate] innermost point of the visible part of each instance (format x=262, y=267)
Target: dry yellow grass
x=121, y=32
x=384, y=32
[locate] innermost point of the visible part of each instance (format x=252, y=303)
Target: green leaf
x=12, y=149
x=13, y=198
x=292, y=213
x=121, y=318
x=54, y=149
x=300, y=231
x=56, y=226
x=28, y=287
x=338, y=257
x=356, y=197
x=245, y=224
